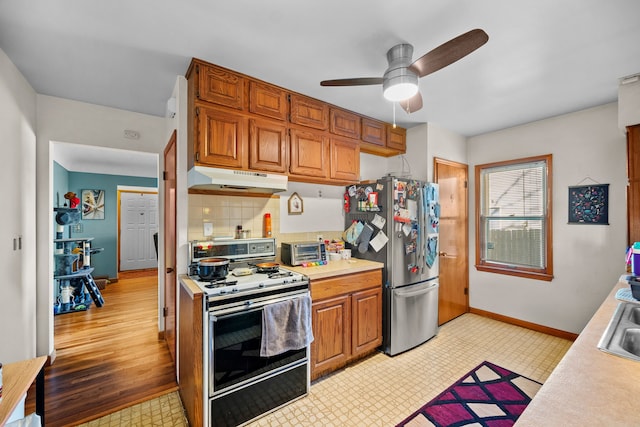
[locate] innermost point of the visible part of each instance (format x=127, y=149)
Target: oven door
x=234, y=350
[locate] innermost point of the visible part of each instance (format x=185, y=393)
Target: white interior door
x=138, y=223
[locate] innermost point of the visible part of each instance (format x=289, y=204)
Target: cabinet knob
x=169, y=270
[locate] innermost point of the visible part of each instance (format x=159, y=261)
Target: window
x=513, y=218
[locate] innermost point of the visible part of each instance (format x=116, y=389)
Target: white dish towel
x=286, y=326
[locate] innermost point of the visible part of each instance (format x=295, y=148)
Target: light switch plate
x=208, y=229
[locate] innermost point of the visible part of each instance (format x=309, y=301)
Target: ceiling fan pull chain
x=394, y=115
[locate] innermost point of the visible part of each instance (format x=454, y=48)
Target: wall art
x=589, y=204
x=92, y=204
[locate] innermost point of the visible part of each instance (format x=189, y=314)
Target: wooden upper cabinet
x=345, y=159
x=221, y=86
x=342, y=122
x=267, y=100
x=221, y=138
x=309, y=112
x=374, y=132
x=397, y=138
x=309, y=154
x=267, y=145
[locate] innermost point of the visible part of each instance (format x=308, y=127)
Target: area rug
x=488, y=396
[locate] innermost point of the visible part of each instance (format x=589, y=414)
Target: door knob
x=169, y=270
x=442, y=253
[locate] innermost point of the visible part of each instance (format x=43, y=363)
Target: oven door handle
x=250, y=306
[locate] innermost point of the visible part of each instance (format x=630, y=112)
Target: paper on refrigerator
x=379, y=241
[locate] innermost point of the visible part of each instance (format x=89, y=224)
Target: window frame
x=545, y=273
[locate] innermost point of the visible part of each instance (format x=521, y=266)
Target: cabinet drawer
x=340, y=285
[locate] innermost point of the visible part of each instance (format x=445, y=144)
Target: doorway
x=138, y=221
x=454, y=246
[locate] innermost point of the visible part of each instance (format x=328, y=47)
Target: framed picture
x=92, y=204
x=296, y=206
x=589, y=204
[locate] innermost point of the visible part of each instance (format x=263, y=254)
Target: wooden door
x=170, y=278
x=138, y=224
x=453, y=297
x=366, y=318
x=633, y=189
x=330, y=348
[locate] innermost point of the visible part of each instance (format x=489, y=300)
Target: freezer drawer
x=413, y=316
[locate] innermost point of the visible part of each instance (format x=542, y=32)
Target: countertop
x=337, y=268
x=589, y=387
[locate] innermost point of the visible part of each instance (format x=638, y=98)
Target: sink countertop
x=589, y=386
x=337, y=268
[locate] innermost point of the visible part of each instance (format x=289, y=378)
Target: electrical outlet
x=208, y=229
x=319, y=237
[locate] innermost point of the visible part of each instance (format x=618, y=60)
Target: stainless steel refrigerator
x=395, y=221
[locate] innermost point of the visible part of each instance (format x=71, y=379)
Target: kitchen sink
x=622, y=336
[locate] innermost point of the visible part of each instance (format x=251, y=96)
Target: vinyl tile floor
x=382, y=390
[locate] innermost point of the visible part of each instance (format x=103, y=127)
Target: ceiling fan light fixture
x=400, y=88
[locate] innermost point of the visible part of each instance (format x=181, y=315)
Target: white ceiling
x=543, y=57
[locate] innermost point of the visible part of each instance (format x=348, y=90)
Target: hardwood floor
x=108, y=358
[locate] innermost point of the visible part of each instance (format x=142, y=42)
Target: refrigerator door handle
x=413, y=293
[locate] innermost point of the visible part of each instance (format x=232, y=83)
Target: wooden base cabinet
x=347, y=320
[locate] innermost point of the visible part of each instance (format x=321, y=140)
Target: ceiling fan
x=400, y=80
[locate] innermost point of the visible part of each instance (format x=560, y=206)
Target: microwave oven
x=302, y=253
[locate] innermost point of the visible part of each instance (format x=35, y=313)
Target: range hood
x=208, y=178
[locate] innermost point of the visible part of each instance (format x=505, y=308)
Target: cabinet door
x=267, y=146
x=220, y=86
x=366, y=318
x=221, y=138
x=309, y=154
x=309, y=112
x=374, y=132
x=344, y=123
x=396, y=138
x=267, y=100
x=345, y=159
x=330, y=348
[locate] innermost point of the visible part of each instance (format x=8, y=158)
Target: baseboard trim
x=533, y=326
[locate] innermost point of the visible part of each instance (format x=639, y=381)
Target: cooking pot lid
x=213, y=262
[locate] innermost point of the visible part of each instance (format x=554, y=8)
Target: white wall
x=587, y=146
x=18, y=288
x=62, y=120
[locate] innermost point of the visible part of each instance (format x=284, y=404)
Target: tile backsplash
x=225, y=213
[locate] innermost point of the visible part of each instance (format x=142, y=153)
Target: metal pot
x=213, y=268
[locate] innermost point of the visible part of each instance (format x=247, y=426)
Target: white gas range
x=235, y=371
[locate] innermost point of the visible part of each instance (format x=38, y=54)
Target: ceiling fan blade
x=360, y=81
x=412, y=104
x=449, y=52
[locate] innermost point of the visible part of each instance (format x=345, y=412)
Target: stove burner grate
x=279, y=274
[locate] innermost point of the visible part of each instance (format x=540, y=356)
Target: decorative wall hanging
x=92, y=204
x=296, y=206
x=589, y=204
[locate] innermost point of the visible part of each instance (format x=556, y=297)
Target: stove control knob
x=223, y=291
x=261, y=285
x=248, y=303
x=234, y=290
